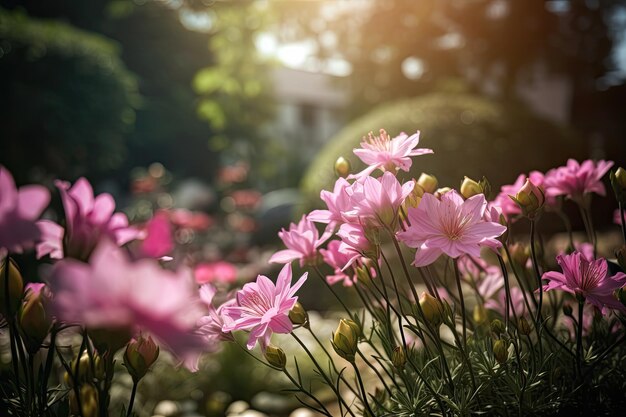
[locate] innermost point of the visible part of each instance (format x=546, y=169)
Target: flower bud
x=432, y=309
x=342, y=167
x=88, y=401
x=83, y=371
x=470, y=188
x=9, y=303
x=275, y=356
x=398, y=357
x=414, y=198
x=523, y=327
x=497, y=327
x=140, y=354
x=479, y=314
x=33, y=320
x=428, y=183
x=500, y=350
x=298, y=315
x=530, y=199
x=345, y=339
x=363, y=274
x=519, y=253
x=441, y=191
x=618, y=182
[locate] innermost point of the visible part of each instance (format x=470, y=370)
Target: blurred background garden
x=226, y=117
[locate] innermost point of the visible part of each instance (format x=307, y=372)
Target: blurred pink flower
x=387, y=154
x=574, y=180
x=158, y=241
x=498, y=302
x=339, y=257
x=338, y=203
x=187, y=219
x=377, y=200
x=88, y=219
x=111, y=292
x=617, y=217
x=213, y=272
x=451, y=225
x=302, y=241
x=19, y=210
x=263, y=308
x=587, y=278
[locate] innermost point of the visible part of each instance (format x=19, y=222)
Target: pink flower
x=302, y=241
x=382, y=152
x=509, y=208
x=220, y=271
x=263, y=308
x=338, y=203
x=574, y=180
x=452, y=226
x=354, y=238
x=377, y=200
x=88, y=219
x=210, y=326
x=158, y=241
x=587, y=278
x=18, y=211
x=339, y=257
x=111, y=292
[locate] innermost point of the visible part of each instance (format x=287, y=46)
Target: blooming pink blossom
x=263, y=308
x=158, y=241
x=19, y=209
x=587, y=278
x=88, y=219
x=387, y=154
x=302, y=241
x=354, y=238
x=338, y=203
x=339, y=257
x=111, y=292
x=574, y=180
x=377, y=200
x=215, y=272
x=451, y=225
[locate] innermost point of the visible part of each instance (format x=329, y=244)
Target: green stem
x=331, y=360
x=461, y=299
x=579, y=336
x=330, y=288
x=323, y=374
x=323, y=410
x=132, y=398
x=623, y=218
x=363, y=392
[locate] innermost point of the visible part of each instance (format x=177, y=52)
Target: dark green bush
x=67, y=98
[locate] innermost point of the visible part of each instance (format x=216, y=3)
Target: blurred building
x=309, y=109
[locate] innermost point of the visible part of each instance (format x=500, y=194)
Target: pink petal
x=285, y=256
x=32, y=200
x=103, y=208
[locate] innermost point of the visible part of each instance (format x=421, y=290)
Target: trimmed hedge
x=470, y=135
